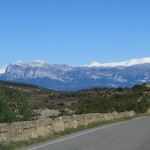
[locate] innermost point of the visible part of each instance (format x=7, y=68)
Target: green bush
x=14, y=106
x=137, y=101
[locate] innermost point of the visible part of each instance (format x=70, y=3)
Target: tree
x=14, y=106
x=7, y=113
x=21, y=105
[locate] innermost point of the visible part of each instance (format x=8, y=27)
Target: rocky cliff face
x=63, y=77
x=36, y=70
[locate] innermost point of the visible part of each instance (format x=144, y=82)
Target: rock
x=69, y=111
x=47, y=113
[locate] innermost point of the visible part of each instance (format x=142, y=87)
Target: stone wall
x=18, y=131
x=148, y=111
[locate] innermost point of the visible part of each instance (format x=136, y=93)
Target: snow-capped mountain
x=124, y=63
x=64, y=77
x=2, y=70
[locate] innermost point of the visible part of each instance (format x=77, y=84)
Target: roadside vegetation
x=138, y=99
x=18, y=101
x=14, y=106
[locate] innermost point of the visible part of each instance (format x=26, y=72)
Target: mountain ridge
x=64, y=77
x=39, y=63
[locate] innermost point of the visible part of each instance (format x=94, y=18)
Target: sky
x=74, y=32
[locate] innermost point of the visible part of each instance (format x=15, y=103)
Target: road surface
x=128, y=135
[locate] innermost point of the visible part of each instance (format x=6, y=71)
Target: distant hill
x=93, y=100
x=36, y=94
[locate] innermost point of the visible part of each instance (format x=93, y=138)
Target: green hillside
x=17, y=100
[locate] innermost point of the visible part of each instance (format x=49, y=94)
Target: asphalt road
x=129, y=135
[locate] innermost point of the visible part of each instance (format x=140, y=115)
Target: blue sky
x=74, y=32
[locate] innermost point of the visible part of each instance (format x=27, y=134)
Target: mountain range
x=69, y=78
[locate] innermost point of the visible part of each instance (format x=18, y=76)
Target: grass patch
x=16, y=145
